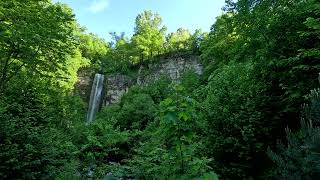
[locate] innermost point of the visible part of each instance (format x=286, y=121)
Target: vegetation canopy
x=253, y=113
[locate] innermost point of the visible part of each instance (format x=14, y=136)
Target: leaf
x=184, y=116
x=170, y=117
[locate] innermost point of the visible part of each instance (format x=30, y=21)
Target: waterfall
x=95, y=97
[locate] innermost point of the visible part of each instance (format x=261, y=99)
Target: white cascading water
x=95, y=97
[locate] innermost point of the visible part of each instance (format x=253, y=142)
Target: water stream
x=95, y=97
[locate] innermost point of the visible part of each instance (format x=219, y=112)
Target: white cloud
x=98, y=6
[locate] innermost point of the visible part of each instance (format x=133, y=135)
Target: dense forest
x=254, y=113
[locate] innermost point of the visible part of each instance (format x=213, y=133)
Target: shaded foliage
x=27, y=40
x=260, y=58
x=299, y=159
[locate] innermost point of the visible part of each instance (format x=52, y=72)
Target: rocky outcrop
x=84, y=83
x=116, y=85
x=172, y=67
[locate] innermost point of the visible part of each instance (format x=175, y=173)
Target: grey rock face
x=172, y=68
x=84, y=84
x=115, y=85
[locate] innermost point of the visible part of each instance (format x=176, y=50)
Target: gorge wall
x=116, y=85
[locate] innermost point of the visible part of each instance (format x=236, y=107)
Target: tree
x=217, y=47
x=196, y=39
x=299, y=159
x=115, y=37
x=280, y=38
x=93, y=48
x=122, y=55
x=149, y=34
x=237, y=129
x=170, y=146
x=180, y=40
x=35, y=37
x=32, y=147
x=39, y=59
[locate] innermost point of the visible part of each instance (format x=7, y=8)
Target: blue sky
x=103, y=16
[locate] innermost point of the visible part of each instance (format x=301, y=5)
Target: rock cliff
x=116, y=85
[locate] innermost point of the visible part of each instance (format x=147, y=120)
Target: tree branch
x=5, y=78
x=15, y=72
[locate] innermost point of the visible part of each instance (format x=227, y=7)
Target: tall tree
x=36, y=36
x=149, y=34
x=181, y=39
x=281, y=39
x=93, y=48
x=196, y=39
x=121, y=56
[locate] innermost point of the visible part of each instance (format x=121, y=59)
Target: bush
x=31, y=147
x=300, y=159
x=103, y=147
x=170, y=147
x=236, y=128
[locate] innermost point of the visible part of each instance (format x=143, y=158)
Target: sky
x=103, y=16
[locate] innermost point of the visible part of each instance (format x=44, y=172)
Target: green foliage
x=196, y=39
x=217, y=46
x=235, y=124
x=108, y=144
x=150, y=140
x=136, y=112
x=67, y=78
x=300, y=158
x=38, y=71
x=259, y=59
x=93, y=48
x=121, y=56
x=158, y=90
x=178, y=40
x=208, y=176
x=149, y=34
x=102, y=147
x=183, y=40
x=190, y=81
x=27, y=41
x=170, y=148
x=247, y=104
x=31, y=146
